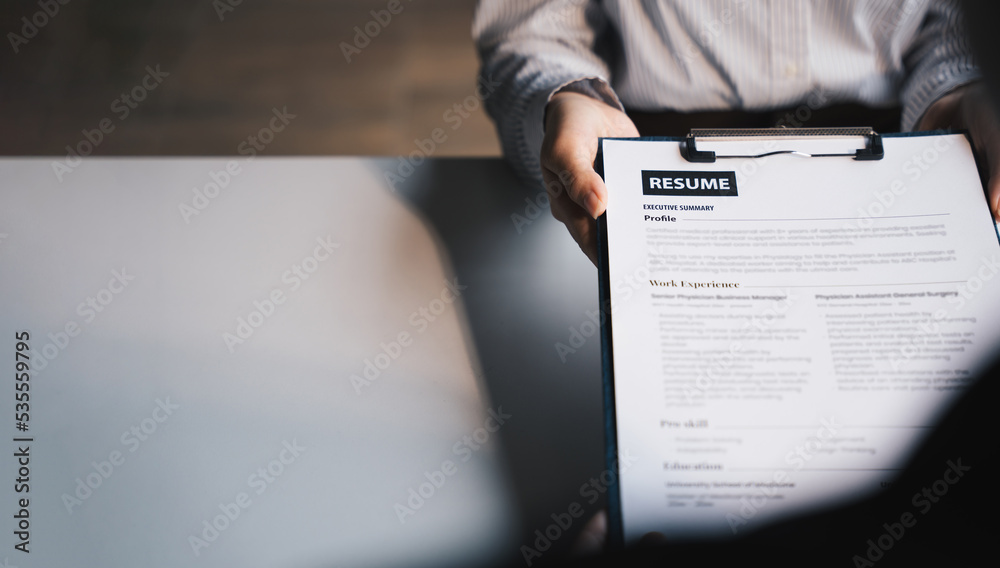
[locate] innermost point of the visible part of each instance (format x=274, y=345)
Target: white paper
x=842, y=305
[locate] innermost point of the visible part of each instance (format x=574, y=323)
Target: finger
x=571, y=159
x=593, y=536
x=992, y=151
x=994, y=194
x=988, y=149
x=588, y=242
x=554, y=185
x=582, y=228
x=983, y=122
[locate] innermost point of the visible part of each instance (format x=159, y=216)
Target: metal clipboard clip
x=872, y=151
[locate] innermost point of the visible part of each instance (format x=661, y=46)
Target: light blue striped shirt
x=696, y=55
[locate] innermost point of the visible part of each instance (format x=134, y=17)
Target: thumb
x=572, y=161
x=993, y=193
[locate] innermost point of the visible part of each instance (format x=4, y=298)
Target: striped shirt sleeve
x=938, y=61
x=532, y=48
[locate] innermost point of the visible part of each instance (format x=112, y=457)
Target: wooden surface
x=227, y=74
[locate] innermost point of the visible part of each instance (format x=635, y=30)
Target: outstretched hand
x=969, y=108
x=573, y=123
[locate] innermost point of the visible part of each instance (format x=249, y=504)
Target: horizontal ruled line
x=859, y=285
x=830, y=218
x=809, y=427
x=816, y=469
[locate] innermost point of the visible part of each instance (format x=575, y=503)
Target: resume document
x=786, y=329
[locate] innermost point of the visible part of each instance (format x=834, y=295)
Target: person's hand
x=573, y=123
x=594, y=536
x=593, y=539
x=970, y=108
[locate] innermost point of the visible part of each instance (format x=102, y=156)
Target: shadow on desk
x=528, y=287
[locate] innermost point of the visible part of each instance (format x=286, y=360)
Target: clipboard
x=872, y=150
x=695, y=149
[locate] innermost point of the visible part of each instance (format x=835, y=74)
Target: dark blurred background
x=230, y=62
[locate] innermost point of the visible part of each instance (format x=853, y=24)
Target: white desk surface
x=162, y=337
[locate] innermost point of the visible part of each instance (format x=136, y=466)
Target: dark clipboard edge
x=616, y=534
x=615, y=538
